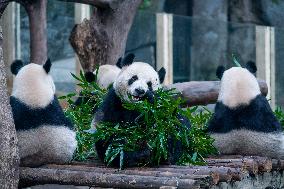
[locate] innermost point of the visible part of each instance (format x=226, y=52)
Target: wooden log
x=264, y=163
x=250, y=165
x=245, y=164
x=205, y=92
x=157, y=173
x=35, y=176
x=277, y=164
x=218, y=174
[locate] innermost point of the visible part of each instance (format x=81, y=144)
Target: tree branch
x=38, y=39
x=104, y=4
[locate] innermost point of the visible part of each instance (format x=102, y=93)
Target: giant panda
x=106, y=74
x=44, y=134
x=243, y=122
x=136, y=81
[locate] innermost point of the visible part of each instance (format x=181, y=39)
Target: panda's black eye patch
x=149, y=85
x=132, y=79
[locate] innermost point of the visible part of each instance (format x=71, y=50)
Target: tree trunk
x=102, y=39
x=38, y=39
x=9, y=159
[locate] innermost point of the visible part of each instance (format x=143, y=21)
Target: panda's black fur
x=246, y=129
x=26, y=117
x=45, y=135
x=257, y=116
x=112, y=110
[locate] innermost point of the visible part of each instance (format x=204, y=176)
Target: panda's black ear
x=127, y=60
x=47, y=66
x=90, y=77
x=251, y=67
x=16, y=66
x=162, y=74
x=220, y=71
x=118, y=63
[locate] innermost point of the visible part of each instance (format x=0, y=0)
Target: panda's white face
x=33, y=86
x=135, y=80
x=238, y=87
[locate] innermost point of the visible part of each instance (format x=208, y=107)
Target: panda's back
x=26, y=117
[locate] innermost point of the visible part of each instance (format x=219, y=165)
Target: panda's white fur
x=247, y=142
x=107, y=75
x=143, y=71
x=238, y=86
x=33, y=86
x=45, y=143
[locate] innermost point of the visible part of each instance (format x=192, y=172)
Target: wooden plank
x=165, y=44
x=265, y=59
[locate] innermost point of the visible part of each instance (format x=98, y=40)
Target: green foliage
x=81, y=115
x=235, y=61
x=158, y=122
x=201, y=142
x=279, y=115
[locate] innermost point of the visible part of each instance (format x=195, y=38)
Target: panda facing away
x=45, y=135
x=136, y=81
x=243, y=122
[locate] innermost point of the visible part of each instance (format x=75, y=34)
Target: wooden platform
x=226, y=169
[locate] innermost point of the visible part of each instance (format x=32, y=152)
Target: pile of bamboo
x=221, y=169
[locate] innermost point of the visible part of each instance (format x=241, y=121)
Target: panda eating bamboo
x=136, y=81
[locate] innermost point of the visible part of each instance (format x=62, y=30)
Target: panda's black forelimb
x=114, y=111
